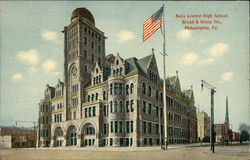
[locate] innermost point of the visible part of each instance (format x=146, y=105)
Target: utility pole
x=212, y=91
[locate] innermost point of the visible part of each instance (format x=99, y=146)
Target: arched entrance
x=71, y=136
x=58, y=137
x=88, y=135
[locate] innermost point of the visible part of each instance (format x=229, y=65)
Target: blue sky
x=31, y=49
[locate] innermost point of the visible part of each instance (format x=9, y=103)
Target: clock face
x=74, y=71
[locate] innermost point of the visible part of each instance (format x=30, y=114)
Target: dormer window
x=96, y=70
x=117, y=62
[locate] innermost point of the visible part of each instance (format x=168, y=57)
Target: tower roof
x=84, y=13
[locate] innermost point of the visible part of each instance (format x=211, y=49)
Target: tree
x=244, y=136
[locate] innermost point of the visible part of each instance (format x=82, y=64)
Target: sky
x=31, y=47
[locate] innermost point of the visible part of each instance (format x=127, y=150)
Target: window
x=111, y=127
x=111, y=107
x=85, y=68
x=117, y=62
x=116, y=126
x=144, y=127
x=149, y=91
x=149, y=108
x=157, y=110
x=111, y=89
x=92, y=98
x=94, y=80
x=144, y=106
x=143, y=88
x=121, y=71
x=132, y=105
x=127, y=126
x=94, y=111
x=115, y=89
x=99, y=48
x=85, y=40
x=120, y=88
x=115, y=106
x=86, y=112
x=121, y=106
x=150, y=127
x=89, y=111
x=85, y=53
x=96, y=96
x=111, y=141
x=88, y=98
x=120, y=126
x=92, y=45
x=131, y=88
x=127, y=106
x=104, y=95
x=156, y=95
x=127, y=89
x=105, y=110
x=131, y=127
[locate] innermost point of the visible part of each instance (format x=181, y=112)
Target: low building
x=235, y=136
x=222, y=133
x=5, y=141
x=20, y=137
x=203, y=126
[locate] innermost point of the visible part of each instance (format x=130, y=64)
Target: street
x=175, y=152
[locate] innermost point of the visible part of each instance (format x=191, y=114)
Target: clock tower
x=84, y=45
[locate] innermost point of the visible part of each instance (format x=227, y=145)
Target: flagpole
x=164, y=84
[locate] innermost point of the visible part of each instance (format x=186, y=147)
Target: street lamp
x=212, y=91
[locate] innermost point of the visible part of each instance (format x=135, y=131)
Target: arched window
x=114, y=72
x=88, y=98
x=117, y=71
x=149, y=91
x=143, y=88
x=127, y=89
x=121, y=71
x=96, y=96
x=131, y=87
x=92, y=98
x=96, y=70
x=100, y=79
x=117, y=62
x=94, y=80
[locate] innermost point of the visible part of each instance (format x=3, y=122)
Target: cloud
x=189, y=59
x=206, y=61
x=32, y=69
x=50, y=36
x=219, y=49
x=184, y=34
x=227, y=76
x=16, y=77
x=124, y=36
x=49, y=65
x=30, y=57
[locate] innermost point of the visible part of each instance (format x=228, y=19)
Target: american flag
x=152, y=24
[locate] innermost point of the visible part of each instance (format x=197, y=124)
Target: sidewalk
x=118, y=149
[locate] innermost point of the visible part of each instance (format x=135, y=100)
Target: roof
x=133, y=66
x=17, y=128
x=106, y=71
x=172, y=80
x=188, y=93
x=83, y=12
x=145, y=62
